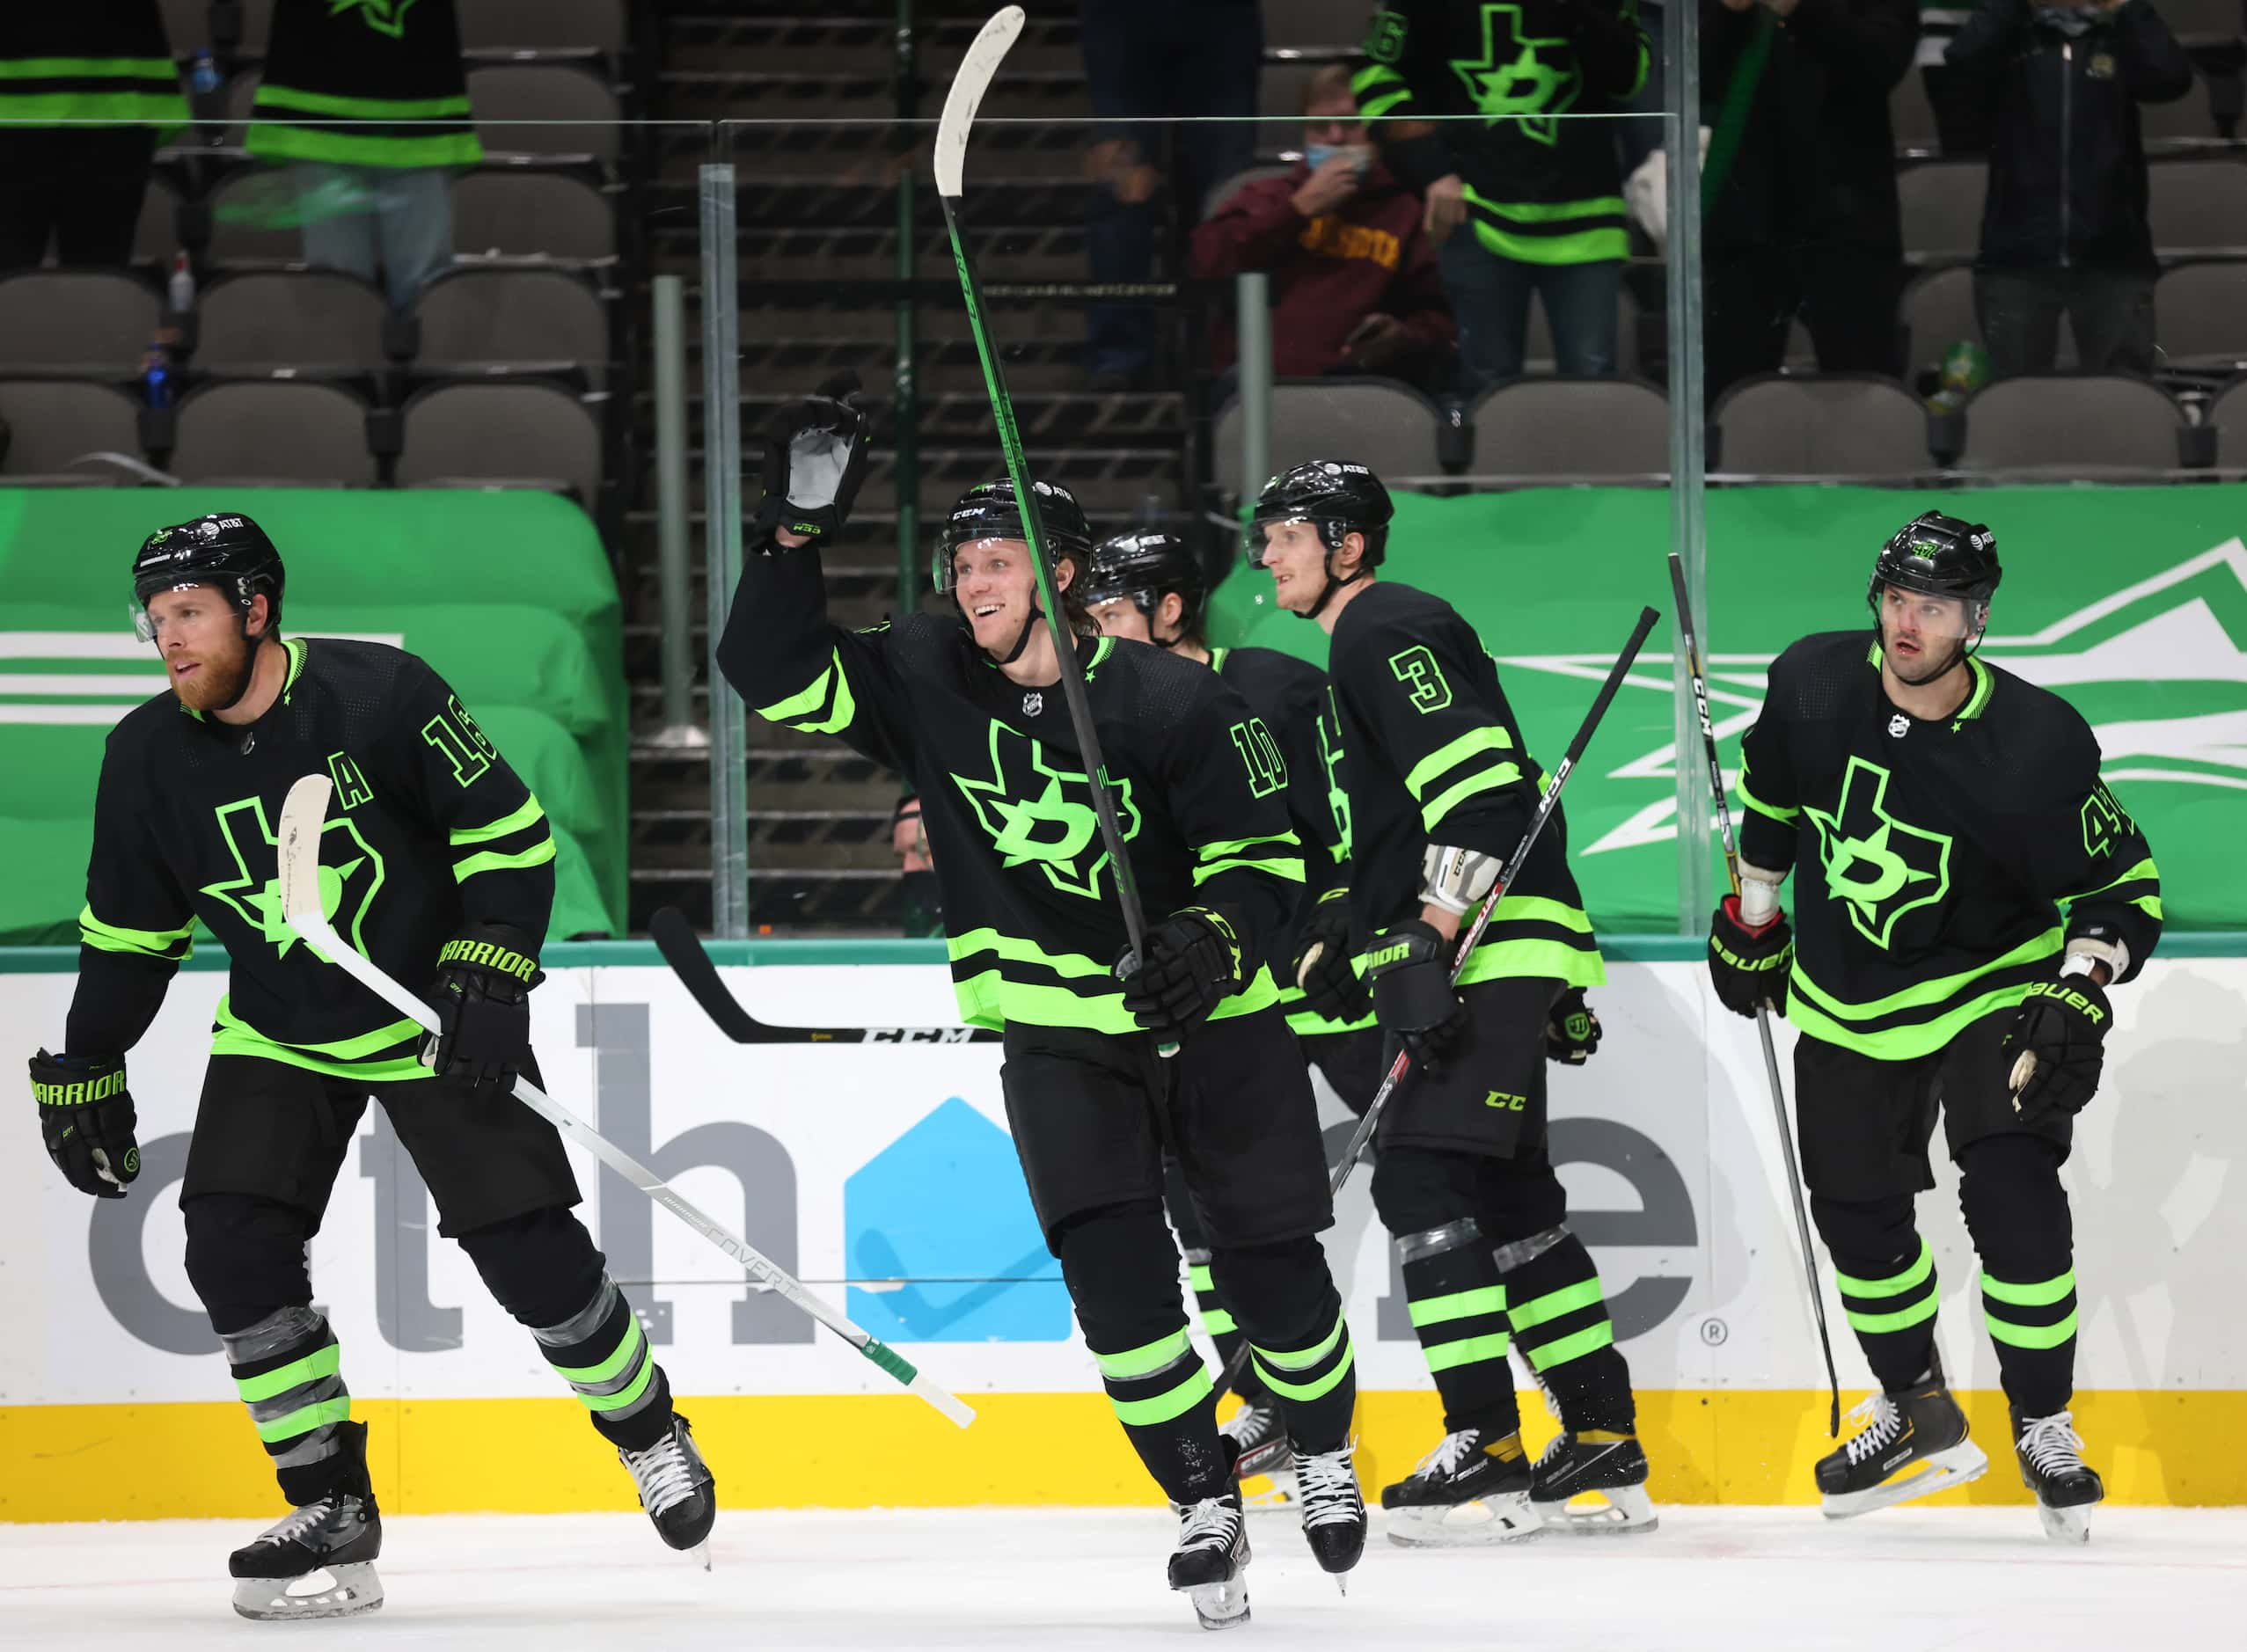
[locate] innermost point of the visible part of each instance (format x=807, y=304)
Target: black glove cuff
x=500, y=956
x=71, y=1081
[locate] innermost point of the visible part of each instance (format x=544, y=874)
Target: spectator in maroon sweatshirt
x=1354, y=283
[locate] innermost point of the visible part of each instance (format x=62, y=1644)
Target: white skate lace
x=2052, y=1444
x=1208, y=1525
x=1454, y=1450
x=1553, y=1447
x=1883, y=1421
x=662, y=1474
x=1252, y=1426
x=296, y=1524
x=1329, y=1483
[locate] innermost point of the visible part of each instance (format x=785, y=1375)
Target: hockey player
x=973, y=711
x=1440, y=789
x=439, y=865
x=1941, y=811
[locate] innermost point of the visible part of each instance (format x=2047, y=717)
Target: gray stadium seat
x=2227, y=414
x=317, y=320
x=186, y=24
x=2072, y=426
x=1315, y=22
x=1537, y=351
x=267, y=431
x=1938, y=310
x=1911, y=118
x=1376, y=422
x=524, y=214
x=543, y=109
x=96, y=322
x=55, y=427
x=478, y=319
x=2200, y=315
x=530, y=25
x=1845, y=424
x=156, y=238
x=2196, y=204
x=1942, y=206
x=501, y=436
x=1571, y=430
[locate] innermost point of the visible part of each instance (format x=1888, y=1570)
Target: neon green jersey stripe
x=1236, y=845
x=1927, y=992
x=490, y=860
x=1582, y=1294
x=2144, y=869
x=2043, y=1294
x=321, y=1362
x=624, y=1395
x=2028, y=1335
x=295, y=100
x=1547, y=211
x=152, y=943
x=304, y=1419
x=1285, y=870
x=1460, y=1304
x=1199, y=1276
x=1217, y=1322
x=1590, y=1341
x=1432, y=814
x=1016, y=950
x=1451, y=1355
x=345, y=146
x=1373, y=108
x=1895, y=1284
x=1450, y=756
x=89, y=68
x=610, y=1368
x=1785, y=817
x=1146, y=1359
x=529, y=813
x=1585, y=246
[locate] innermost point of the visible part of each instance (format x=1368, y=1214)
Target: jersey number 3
x=1416, y=668
x=455, y=734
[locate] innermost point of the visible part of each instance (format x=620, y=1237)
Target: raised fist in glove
x=483, y=1003
x=85, y=1115
x=1190, y=965
x=814, y=459
x=1323, y=968
x=1749, y=966
x=2057, y=1045
x=1409, y=969
x=1571, y=1030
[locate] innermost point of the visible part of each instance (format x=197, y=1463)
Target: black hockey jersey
x=1932, y=858
x=428, y=828
x=1031, y=919
x=1431, y=753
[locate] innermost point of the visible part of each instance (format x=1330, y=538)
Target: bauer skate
x=1334, y=1510
x=1913, y=1444
x=676, y=1489
x=1463, y=1493
x=1211, y=1555
x=316, y=1561
x=1608, y=1471
x=2051, y=1456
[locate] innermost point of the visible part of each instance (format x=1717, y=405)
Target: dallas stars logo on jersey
x=1036, y=812
x=347, y=889
x=1527, y=81
x=1879, y=866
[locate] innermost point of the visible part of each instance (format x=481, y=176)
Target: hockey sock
x=1299, y=1341
x=1885, y=1271
x=287, y=1368
x=2016, y=1209
x=1219, y=1325
x=1560, y=1322
x=602, y=1353
x=1457, y=1302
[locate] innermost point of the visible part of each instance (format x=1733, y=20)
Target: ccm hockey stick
x=303, y=817
x=1762, y=1014
x=682, y=949
x=985, y=52
x=1546, y=805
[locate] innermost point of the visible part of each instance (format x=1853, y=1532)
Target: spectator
x=375, y=197
x=1799, y=190
x=1185, y=61
x=920, y=901
x=80, y=187
x=2064, y=224
x=1354, y=285
x=1538, y=192
x=1961, y=123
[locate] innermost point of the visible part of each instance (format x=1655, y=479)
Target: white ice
x=1056, y=1580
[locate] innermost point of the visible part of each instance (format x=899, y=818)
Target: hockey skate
x=1462, y=1494
x=1913, y=1444
x=676, y=1489
x=1211, y=1555
x=318, y=1562
x=1334, y=1510
x=1607, y=1471
x=1260, y=1433
x=2051, y=1456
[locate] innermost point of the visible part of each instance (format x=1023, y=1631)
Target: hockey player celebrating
x=972, y=711
x=439, y=865
x=1440, y=789
x=1941, y=811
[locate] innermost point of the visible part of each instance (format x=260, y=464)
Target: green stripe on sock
x=624, y=1395
x=2041, y=1294
x=1304, y=1358
x=1174, y=1402
x=1317, y=1388
x=1197, y=1275
x=1460, y=1304
x=321, y=1362
x=304, y=1419
x=1218, y=1322
x=608, y=1369
x=1146, y=1359
x=2029, y=1335
x=1582, y=1294
x=1893, y=1285
x=1451, y=1356
x=1590, y=1341
x=1902, y=1319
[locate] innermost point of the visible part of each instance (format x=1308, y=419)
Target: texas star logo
x=1537, y=81
x=1876, y=865
x=347, y=888
x=1035, y=811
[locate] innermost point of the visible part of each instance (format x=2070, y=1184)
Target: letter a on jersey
x=1036, y=812
x=1876, y=864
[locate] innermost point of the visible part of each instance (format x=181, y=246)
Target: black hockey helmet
x=224, y=549
x=1147, y=566
x=1939, y=556
x=990, y=511
x=1339, y=497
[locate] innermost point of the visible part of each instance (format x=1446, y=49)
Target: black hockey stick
x=682, y=949
x=1762, y=1015
x=1546, y=805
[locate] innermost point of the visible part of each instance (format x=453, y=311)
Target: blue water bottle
x=202, y=74
x=156, y=378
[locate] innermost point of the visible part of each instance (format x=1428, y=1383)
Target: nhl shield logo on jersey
x=1876, y=865
x=1037, y=811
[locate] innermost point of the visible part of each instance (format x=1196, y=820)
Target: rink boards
x=882, y=1175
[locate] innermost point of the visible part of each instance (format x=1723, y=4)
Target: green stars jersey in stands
x=1431, y=753
x=1541, y=187
x=1931, y=858
x=428, y=828
x=391, y=67
x=1029, y=897
x=111, y=62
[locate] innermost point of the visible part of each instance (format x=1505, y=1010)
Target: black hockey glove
x=1408, y=967
x=1749, y=966
x=2057, y=1045
x=1192, y=964
x=483, y=1004
x=85, y=1114
x=1571, y=1029
x=814, y=459
x=1324, y=967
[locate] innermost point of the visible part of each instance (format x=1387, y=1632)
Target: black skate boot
x=676, y=1489
x=1608, y=1468
x=1212, y=1553
x=1334, y=1510
x=1260, y=1433
x=318, y=1562
x=2050, y=1455
x=1470, y=1489
x=1913, y=1444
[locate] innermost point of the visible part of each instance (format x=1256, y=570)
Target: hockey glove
x=1323, y=968
x=1408, y=967
x=1191, y=965
x=1749, y=966
x=814, y=459
x=1571, y=1029
x=2057, y=1045
x=85, y=1114
x=483, y=1004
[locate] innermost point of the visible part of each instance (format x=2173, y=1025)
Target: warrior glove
x=483, y=1003
x=1323, y=968
x=1571, y=1029
x=1410, y=971
x=85, y=1115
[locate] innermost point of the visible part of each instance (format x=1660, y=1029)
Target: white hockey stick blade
x=985, y=52
x=304, y=816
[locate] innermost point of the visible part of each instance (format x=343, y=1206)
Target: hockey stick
x=682, y=949
x=303, y=818
x=1546, y=805
x=985, y=54
x=1762, y=1014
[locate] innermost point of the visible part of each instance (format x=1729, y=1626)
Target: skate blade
x=1484, y=1522
x=1221, y=1605
x=1960, y=1463
x=1609, y=1511
x=700, y=1556
x=346, y=1591
x=2067, y=1525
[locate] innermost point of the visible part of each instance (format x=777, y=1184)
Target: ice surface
x=1740, y=1579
